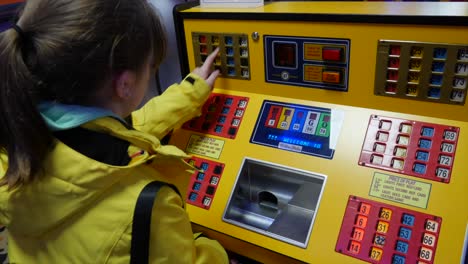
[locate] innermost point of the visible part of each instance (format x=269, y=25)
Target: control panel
x=233, y=57
x=381, y=233
x=434, y=72
x=307, y=62
x=410, y=147
x=204, y=182
x=222, y=116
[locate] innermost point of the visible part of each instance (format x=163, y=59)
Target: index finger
x=209, y=60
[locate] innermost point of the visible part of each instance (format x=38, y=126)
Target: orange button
x=331, y=76
x=332, y=54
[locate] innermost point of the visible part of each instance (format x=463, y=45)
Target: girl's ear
x=123, y=84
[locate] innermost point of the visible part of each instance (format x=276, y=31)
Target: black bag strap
x=139, y=251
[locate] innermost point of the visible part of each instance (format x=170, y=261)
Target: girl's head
x=84, y=52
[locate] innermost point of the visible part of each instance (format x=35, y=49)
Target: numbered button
x=427, y=132
x=429, y=240
x=380, y=148
x=397, y=259
x=354, y=247
x=422, y=155
x=459, y=82
x=361, y=221
x=407, y=219
x=425, y=254
x=447, y=147
x=461, y=69
x=385, y=125
x=463, y=54
x=376, y=253
x=364, y=208
x=382, y=136
x=457, y=95
x=376, y=159
x=379, y=240
x=405, y=233
x=385, y=214
x=399, y=152
x=442, y=173
x=450, y=135
x=432, y=226
x=382, y=227
x=445, y=160
x=401, y=247
x=358, y=234
x=425, y=143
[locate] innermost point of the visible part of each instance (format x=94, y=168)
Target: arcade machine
x=336, y=133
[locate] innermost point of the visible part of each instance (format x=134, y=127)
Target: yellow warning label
x=205, y=146
x=400, y=190
x=312, y=51
x=313, y=73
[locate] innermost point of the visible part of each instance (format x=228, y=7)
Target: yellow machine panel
x=336, y=132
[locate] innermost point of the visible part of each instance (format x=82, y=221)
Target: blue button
x=408, y=219
x=433, y=92
x=419, y=168
x=221, y=119
x=427, y=132
x=200, y=176
x=425, y=143
x=422, y=155
x=397, y=259
x=436, y=79
x=196, y=186
x=438, y=66
x=225, y=110
x=401, y=247
x=218, y=129
x=193, y=196
x=228, y=101
x=204, y=166
x=440, y=53
x=405, y=233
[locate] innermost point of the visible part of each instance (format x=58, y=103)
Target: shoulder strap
x=139, y=251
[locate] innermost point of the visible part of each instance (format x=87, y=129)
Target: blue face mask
x=62, y=116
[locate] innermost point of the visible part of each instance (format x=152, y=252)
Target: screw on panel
x=255, y=36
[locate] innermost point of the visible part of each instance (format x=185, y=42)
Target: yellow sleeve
x=172, y=239
x=178, y=104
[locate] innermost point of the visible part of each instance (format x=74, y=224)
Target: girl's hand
x=205, y=70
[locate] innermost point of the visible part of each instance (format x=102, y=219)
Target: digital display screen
x=285, y=54
x=427, y=132
x=295, y=141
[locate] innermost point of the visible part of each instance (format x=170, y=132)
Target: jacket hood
x=73, y=182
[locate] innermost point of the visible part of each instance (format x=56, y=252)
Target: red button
x=332, y=54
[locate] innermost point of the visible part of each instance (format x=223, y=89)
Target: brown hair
x=67, y=51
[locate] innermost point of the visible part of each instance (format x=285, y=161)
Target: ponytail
x=24, y=136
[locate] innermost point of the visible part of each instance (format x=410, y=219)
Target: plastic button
x=332, y=54
x=331, y=76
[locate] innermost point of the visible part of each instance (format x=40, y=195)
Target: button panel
x=221, y=116
x=204, y=182
x=233, y=57
x=307, y=62
x=377, y=232
x=409, y=147
x=422, y=71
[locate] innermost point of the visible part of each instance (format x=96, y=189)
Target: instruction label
x=400, y=190
x=205, y=146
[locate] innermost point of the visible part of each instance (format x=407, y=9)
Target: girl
x=71, y=73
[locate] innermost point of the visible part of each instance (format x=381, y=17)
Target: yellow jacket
x=81, y=212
